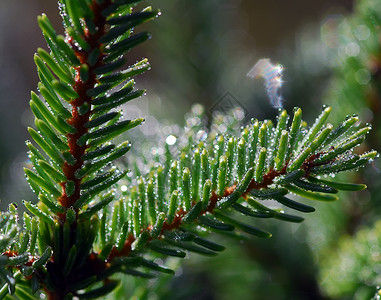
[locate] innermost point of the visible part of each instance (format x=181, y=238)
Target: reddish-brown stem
x=11, y=253
x=77, y=120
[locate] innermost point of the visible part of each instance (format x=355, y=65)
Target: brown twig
x=81, y=87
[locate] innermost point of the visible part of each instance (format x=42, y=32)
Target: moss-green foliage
x=356, y=84
x=350, y=269
x=353, y=271
x=95, y=220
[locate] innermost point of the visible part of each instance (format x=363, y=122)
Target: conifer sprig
x=83, y=231
x=76, y=125
x=239, y=187
x=80, y=69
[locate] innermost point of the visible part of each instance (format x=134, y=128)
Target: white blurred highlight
x=272, y=74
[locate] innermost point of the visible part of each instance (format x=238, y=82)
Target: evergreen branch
x=88, y=51
x=235, y=193
x=83, y=232
x=17, y=258
x=77, y=144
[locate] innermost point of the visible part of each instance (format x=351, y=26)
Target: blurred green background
x=200, y=53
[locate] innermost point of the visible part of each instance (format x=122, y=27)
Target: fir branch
x=76, y=144
x=266, y=183
x=83, y=232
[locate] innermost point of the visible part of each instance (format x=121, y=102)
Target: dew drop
x=202, y=135
x=171, y=140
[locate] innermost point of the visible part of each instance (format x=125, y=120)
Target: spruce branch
x=244, y=194
x=83, y=230
x=75, y=126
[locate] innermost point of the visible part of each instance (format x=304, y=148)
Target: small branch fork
x=78, y=121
